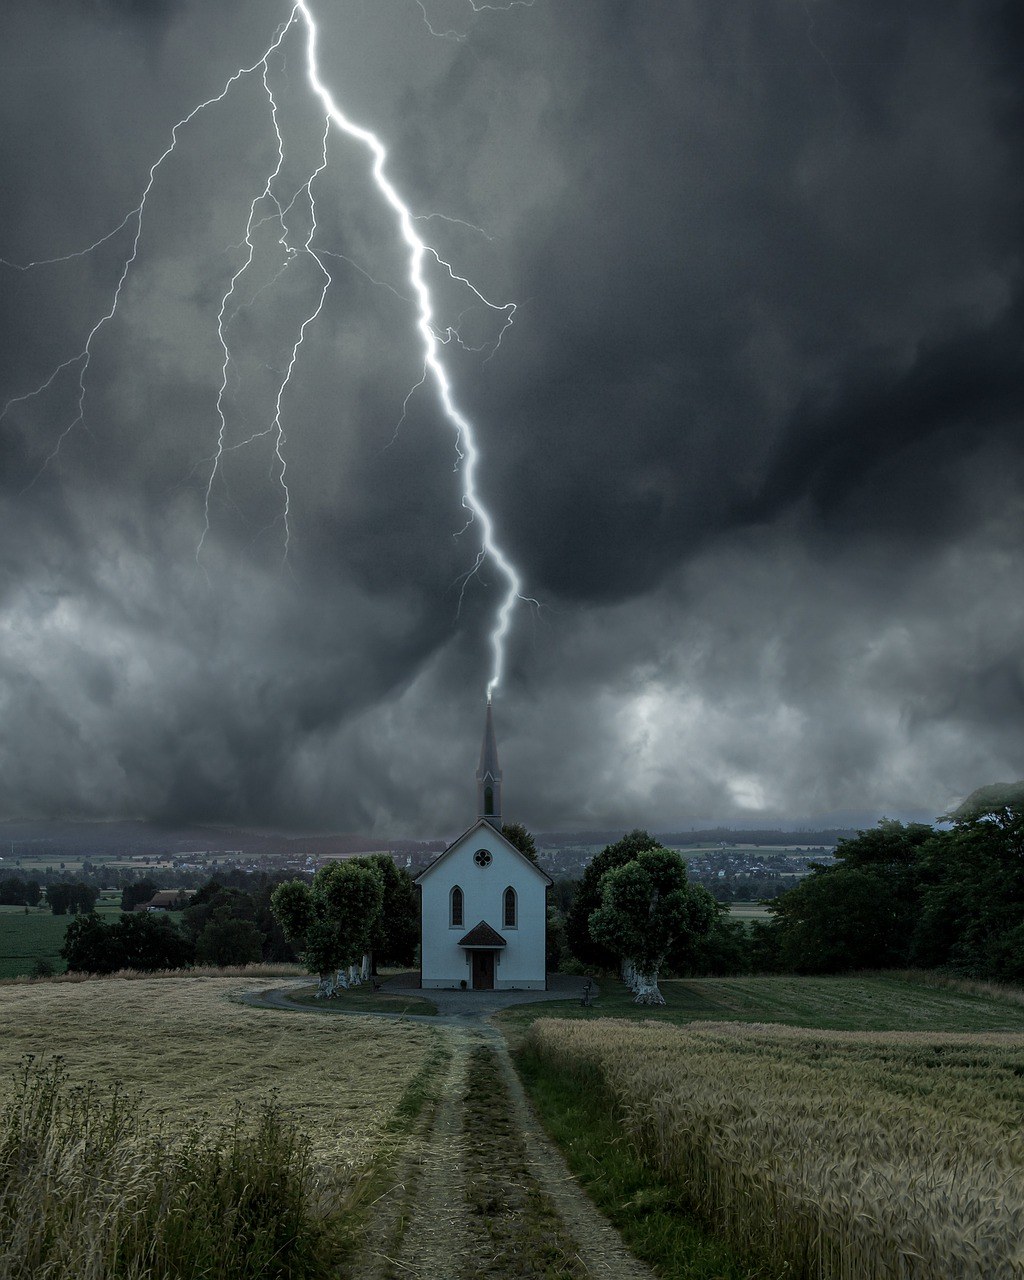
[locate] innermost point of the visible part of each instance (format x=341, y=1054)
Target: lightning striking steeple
x=271, y=204
x=488, y=775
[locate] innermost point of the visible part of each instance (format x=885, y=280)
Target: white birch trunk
x=326, y=988
x=342, y=980
x=355, y=977
x=364, y=970
x=645, y=989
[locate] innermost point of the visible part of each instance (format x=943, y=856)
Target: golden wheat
x=839, y=1155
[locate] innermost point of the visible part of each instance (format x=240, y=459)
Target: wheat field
x=189, y=1048
x=839, y=1155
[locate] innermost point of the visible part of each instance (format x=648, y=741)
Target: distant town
x=733, y=864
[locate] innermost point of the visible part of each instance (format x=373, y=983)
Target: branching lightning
x=270, y=205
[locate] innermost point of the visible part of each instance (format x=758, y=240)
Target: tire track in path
x=486, y=1194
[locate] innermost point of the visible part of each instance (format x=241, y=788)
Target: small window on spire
x=488, y=802
x=456, y=908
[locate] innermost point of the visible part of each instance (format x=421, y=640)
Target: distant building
x=484, y=904
x=167, y=900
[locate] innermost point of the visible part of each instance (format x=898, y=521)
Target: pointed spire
x=488, y=775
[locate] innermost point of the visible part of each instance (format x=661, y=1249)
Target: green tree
x=588, y=898
x=15, y=892
x=91, y=945
x=723, y=950
x=396, y=927
x=860, y=913
x=647, y=910
x=840, y=919
x=229, y=941
x=139, y=940
x=972, y=915
x=132, y=895
x=554, y=938
x=58, y=897
x=515, y=833
x=332, y=919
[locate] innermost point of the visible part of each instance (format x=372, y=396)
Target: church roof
x=482, y=935
x=492, y=833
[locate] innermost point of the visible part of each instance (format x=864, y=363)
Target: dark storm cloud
x=754, y=439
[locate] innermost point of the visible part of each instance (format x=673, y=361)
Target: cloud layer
x=754, y=439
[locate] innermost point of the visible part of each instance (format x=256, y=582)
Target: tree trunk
x=628, y=972
x=645, y=988
x=326, y=988
x=367, y=968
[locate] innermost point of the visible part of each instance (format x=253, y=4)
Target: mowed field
x=190, y=1049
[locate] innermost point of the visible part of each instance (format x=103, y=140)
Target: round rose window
x=482, y=858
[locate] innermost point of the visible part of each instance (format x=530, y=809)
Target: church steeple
x=488, y=776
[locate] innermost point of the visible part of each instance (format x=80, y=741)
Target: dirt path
x=480, y=1192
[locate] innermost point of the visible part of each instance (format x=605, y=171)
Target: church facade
x=483, y=903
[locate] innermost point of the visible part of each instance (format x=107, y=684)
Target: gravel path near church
x=478, y=1191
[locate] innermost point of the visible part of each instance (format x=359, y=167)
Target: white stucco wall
x=520, y=964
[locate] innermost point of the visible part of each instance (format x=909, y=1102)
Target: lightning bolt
x=270, y=205
x=453, y=34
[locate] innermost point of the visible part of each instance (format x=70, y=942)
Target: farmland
x=189, y=1049
x=864, y=1126
x=28, y=937
x=873, y=1155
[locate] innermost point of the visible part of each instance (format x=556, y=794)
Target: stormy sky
x=753, y=440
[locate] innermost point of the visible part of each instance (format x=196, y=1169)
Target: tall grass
x=90, y=1191
x=259, y=970
x=824, y=1154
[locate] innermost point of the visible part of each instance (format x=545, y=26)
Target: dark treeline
x=223, y=924
x=71, y=897
x=897, y=896
x=15, y=892
x=229, y=921
x=912, y=895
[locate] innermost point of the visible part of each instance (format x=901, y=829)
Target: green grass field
x=748, y=911
x=866, y=1002
x=27, y=938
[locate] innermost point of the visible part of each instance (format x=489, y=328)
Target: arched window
x=488, y=802
x=510, y=908
x=456, y=907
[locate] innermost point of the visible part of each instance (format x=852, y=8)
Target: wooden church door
x=483, y=970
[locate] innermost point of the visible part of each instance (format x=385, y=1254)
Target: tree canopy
x=140, y=940
x=584, y=947
x=333, y=919
x=647, y=908
x=515, y=833
x=914, y=895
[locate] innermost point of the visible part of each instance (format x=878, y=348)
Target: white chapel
x=484, y=904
